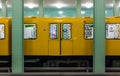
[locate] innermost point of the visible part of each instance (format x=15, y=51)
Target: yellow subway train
x=58, y=42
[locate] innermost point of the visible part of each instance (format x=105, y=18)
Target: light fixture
x=82, y=12
x=111, y=5
x=60, y=12
x=88, y=5
x=105, y=12
x=31, y=5
x=38, y=12
x=59, y=5
x=9, y=6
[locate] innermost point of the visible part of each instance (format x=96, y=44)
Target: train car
x=56, y=41
x=5, y=41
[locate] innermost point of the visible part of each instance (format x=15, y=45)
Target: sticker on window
x=29, y=31
x=113, y=31
x=88, y=31
x=53, y=31
x=66, y=31
x=2, y=33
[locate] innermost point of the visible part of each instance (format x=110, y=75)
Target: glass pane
x=31, y=7
x=88, y=31
x=87, y=8
x=53, y=31
x=60, y=8
x=2, y=36
x=9, y=7
x=113, y=31
x=29, y=31
x=109, y=8
x=66, y=31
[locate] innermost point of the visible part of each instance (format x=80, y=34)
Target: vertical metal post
x=78, y=8
x=116, y=8
x=17, y=36
x=99, y=37
x=4, y=8
x=41, y=8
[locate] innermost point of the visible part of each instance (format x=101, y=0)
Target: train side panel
x=39, y=45
x=113, y=45
x=5, y=37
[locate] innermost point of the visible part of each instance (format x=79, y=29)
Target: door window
x=66, y=31
x=53, y=31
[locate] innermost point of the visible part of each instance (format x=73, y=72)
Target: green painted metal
x=116, y=8
x=17, y=36
x=99, y=37
x=4, y=8
x=78, y=8
x=41, y=8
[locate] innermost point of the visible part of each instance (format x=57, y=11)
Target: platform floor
x=59, y=74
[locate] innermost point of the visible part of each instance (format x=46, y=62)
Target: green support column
x=116, y=8
x=4, y=8
x=99, y=37
x=78, y=8
x=17, y=36
x=41, y=8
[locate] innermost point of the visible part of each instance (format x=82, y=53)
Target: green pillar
x=17, y=36
x=99, y=37
x=78, y=8
x=116, y=7
x=41, y=8
x=4, y=8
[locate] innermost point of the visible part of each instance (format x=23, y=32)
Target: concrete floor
x=60, y=74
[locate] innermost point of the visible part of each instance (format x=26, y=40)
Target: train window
x=113, y=31
x=2, y=29
x=66, y=31
x=53, y=31
x=88, y=31
x=30, y=31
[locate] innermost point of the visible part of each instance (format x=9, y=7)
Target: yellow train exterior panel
x=38, y=46
x=5, y=42
x=113, y=46
x=66, y=47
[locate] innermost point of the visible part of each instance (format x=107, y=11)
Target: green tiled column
x=41, y=8
x=99, y=37
x=116, y=8
x=78, y=8
x=17, y=37
x=4, y=8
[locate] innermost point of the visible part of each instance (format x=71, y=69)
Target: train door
x=54, y=39
x=60, y=39
x=66, y=39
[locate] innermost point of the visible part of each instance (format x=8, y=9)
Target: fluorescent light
x=111, y=5
x=88, y=5
x=38, y=12
x=82, y=12
x=31, y=5
x=59, y=5
x=9, y=6
x=60, y=12
x=105, y=12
